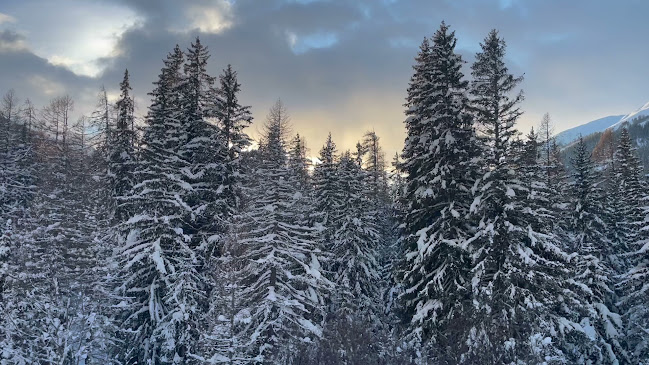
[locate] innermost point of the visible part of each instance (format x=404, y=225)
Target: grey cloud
x=9, y=37
x=33, y=77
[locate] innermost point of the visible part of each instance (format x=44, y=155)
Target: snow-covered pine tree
x=222, y=342
x=531, y=168
x=203, y=151
x=299, y=163
x=298, y=170
x=326, y=198
x=156, y=258
x=356, y=244
x=380, y=204
x=438, y=155
x=392, y=253
x=375, y=166
x=631, y=187
x=121, y=152
x=593, y=266
x=517, y=273
x=232, y=118
x=396, y=186
x=632, y=220
x=354, y=262
x=100, y=123
x=284, y=286
x=530, y=152
x=328, y=202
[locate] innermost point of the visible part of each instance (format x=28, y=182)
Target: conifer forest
x=177, y=238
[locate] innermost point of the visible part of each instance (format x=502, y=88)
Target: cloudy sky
x=339, y=65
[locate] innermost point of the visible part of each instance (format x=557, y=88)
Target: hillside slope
x=598, y=125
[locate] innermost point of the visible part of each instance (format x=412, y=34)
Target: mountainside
x=600, y=142
x=589, y=128
x=631, y=117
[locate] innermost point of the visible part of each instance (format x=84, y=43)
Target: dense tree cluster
x=169, y=240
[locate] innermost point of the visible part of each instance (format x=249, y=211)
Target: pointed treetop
x=328, y=151
x=125, y=85
x=358, y=155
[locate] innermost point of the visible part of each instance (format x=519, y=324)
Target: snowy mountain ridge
x=599, y=125
x=640, y=112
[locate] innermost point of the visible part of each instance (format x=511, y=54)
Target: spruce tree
x=593, y=266
x=632, y=219
x=121, y=155
x=438, y=154
x=232, y=118
x=221, y=341
x=327, y=199
x=517, y=270
x=356, y=244
x=630, y=185
x=354, y=264
x=299, y=163
x=157, y=279
x=284, y=286
x=203, y=151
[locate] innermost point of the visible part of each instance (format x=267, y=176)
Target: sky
x=340, y=66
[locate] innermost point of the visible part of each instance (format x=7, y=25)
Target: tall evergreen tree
x=517, y=270
x=223, y=341
x=156, y=257
x=327, y=200
x=438, y=154
x=203, y=150
x=121, y=155
x=593, y=266
x=354, y=266
x=232, y=118
x=298, y=162
x=631, y=187
x=284, y=286
x=633, y=287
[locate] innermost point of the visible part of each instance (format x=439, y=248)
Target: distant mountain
x=597, y=139
x=638, y=114
x=599, y=125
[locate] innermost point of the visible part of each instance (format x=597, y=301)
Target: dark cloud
x=34, y=77
x=344, y=66
x=10, y=39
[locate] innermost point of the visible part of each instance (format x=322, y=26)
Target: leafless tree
x=29, y=116
x=8, y=112
x=546, y=132
x=277, y=119
x=56, y=117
